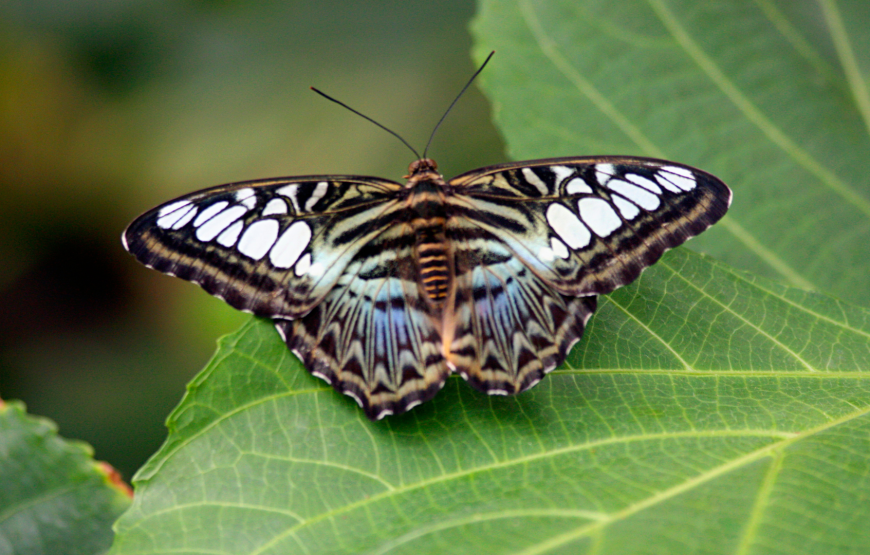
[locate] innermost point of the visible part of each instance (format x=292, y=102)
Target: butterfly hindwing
x=373, y=337
x=509, y=327
x=272, y=247
x=590, y=225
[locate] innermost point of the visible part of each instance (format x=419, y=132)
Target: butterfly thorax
x=428, y=222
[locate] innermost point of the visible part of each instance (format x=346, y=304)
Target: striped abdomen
x=429, y=223
x=432, y=258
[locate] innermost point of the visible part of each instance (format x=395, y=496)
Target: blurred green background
x=109, y=107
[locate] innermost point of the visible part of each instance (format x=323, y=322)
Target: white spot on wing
x=637, y=195
x=680, y=177
x=668, y=185
x=229, y=237
x=258, y=238
x=356, y=398
x=643, y=182
x=546, y=255
x=275, y=206
x=303, y=265
x=246, y=197
x=315, y=270
x=318, y=193
x=598, y=215
x=383, y=413
x=568, y=226
x=280, y=331
x=169, y=208
x=291, y=244
x=532, y=178
x=290, y=191
x=219, y=223
x=577, y=186
x=576, y=339
x=628, y=210
x=207, y=214
x=171, y=213
x=603, y=172
x=559, y=248
x=562, y=172
x=185, y=218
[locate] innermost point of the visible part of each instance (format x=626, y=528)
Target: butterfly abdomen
x=432, y=261
x=431, y=246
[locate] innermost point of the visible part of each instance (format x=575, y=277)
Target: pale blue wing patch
x=508, y=327
x=373, y=337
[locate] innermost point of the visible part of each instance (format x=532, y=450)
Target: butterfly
x=384, y=289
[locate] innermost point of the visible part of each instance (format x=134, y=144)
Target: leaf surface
x=54, y=498
x=705, y=411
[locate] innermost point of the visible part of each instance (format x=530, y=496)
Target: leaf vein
x=754, y=114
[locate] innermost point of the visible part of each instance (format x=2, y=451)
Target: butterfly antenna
x=390, y=131
x=455, y=100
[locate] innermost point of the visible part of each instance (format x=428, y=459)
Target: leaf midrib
x=857, y=84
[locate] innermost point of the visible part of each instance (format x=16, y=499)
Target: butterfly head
x=422, y=166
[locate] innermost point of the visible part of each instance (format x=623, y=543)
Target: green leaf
x=771, y=96
x=54, y=498
x=705, y=411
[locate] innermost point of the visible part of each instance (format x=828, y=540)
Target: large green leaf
x=770, y=95
x=705, y=411
x=54, y=499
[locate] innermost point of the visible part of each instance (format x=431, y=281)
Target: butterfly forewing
x=590, y=225
x=271, y=247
